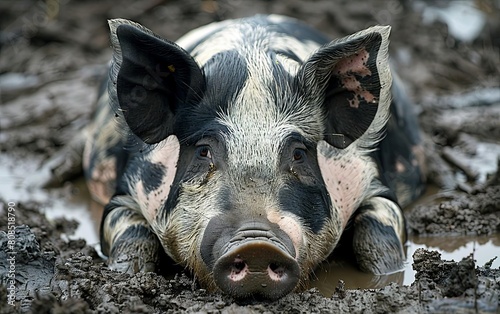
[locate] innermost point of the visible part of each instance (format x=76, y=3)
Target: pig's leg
x=127, y=239
x=379, y=234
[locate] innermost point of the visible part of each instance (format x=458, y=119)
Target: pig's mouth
x=255, y=260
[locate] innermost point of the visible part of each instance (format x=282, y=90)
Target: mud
x=460, y=214
x=71, y=278
x=52, y=56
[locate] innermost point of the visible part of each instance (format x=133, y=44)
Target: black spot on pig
x=152, y=175
x=227, y=72
x=307, y=202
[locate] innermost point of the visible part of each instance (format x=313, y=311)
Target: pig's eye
x=204, y=152
x=299, y=154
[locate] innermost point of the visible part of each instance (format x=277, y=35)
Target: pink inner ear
x=348, y=69
x=166, y=154
x=346, y=177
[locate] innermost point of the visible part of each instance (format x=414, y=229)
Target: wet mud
x=52, y=56
x=69, y=277
x=458, y=213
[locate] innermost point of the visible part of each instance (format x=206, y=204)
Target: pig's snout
x=256, y=260
x=257, y=267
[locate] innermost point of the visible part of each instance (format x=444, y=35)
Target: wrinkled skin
x=247, y=153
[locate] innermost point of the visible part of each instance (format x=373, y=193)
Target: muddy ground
x=53, y=54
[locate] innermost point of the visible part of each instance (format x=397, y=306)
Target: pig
x=249, y=150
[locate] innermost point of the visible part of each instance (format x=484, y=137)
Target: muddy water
x=73, y=201
x=451, y=248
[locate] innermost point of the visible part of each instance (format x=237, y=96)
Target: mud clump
x=33, y=268
x=459, y=213
x=450, y=286
x=453, y=278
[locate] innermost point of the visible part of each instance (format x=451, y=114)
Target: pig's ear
x=151, y=79
x=351, y=78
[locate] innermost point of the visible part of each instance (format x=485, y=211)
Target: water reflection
x=328, y=276
x=451, y=244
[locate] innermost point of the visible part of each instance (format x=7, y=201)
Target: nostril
x=238, y=265
x=239, y=269
x=256, y=268
x=276, y=271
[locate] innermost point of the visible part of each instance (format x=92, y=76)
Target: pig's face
x=248, y=146
x=253, y=189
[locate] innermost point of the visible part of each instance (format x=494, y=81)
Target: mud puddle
x=451, y=248
x=71, y=201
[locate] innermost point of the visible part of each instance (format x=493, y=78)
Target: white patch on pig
x=290, y=226
x=123, y=205
x=191, y=38
x=217, y=43
x=387, y=213
x=290, y=65
x=167, y=155
x=231, y=35
x=348, y=177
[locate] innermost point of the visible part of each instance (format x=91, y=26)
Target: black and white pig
x=247, y=150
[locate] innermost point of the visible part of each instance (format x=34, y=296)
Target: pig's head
x=250, y=145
